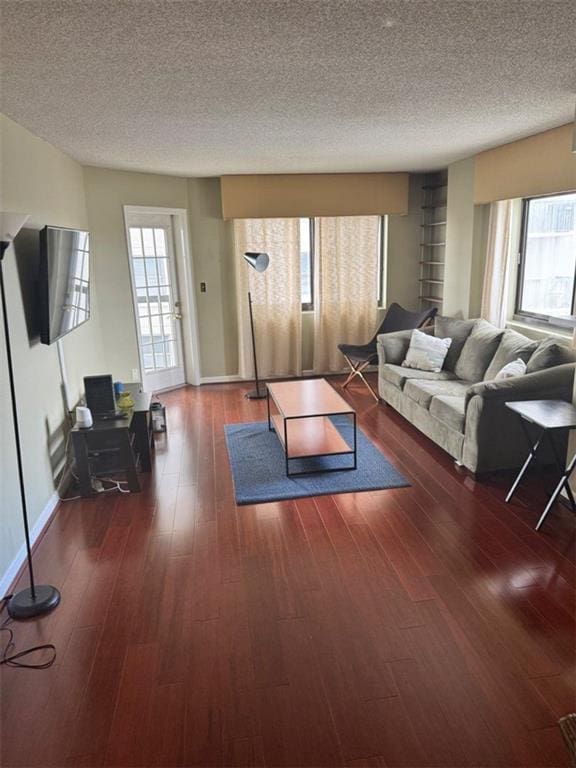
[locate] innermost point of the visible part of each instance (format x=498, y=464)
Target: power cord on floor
x=11, y=659
x=116, y=485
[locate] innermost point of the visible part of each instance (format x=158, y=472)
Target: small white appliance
x=84, y=417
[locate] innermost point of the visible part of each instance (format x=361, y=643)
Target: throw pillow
x=512, y=347
x=515, y=368
x=458, y=331
x=426, y=353
x=548, y=354
x=478, y=351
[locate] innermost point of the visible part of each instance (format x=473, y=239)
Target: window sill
x=539, y=330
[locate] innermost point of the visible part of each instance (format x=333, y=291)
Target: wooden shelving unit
x=433, y=245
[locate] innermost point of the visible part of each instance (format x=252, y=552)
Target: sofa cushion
x=512, y=346
x=426, y=352
x=548, y=354
x=450, y=409
x=515, y=368
x=397, y=375
x=478, y=351
x=458, y=331
x=422, y=392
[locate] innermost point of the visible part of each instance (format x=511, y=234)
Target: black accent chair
x=359, y=357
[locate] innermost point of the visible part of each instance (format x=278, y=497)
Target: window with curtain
x=307, y=261
x=333, y=266
x=276, y=296
x=547, y=263
x=346, y=282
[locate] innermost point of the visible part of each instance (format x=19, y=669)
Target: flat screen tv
x=64, y=281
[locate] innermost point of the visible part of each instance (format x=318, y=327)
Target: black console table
x=115, y=445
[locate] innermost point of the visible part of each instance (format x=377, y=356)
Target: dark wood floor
x=425, y=626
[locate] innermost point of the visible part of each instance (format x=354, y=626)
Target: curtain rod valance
x=314, y=194
x=542, y=164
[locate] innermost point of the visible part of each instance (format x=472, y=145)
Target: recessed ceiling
x=211, y=87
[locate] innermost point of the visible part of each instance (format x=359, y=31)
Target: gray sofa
x=462, y=408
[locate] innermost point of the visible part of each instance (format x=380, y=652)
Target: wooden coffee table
x=300, y=416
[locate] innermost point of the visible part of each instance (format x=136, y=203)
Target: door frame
x=184, y=268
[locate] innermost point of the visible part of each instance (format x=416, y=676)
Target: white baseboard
x=220, y=379
x=12, y=571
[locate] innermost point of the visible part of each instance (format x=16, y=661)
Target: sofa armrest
x=550, y=384
x=392, y=347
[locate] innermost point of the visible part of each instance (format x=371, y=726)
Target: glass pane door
x=156, y=301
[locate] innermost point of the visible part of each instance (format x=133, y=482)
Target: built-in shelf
x=434, y=194
x=432, y=299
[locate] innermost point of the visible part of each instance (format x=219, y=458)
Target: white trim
x=185, y=272
x=221, y=379
x=12, y=570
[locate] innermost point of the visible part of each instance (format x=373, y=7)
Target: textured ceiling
x=209, y=87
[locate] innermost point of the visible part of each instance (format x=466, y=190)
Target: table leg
x=562, y=469
x=82, y=466
x=284, y=421
x=128, y=462
x=563, y=482
x=533, y=448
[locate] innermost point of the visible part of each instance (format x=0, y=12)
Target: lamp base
x=23, y=605
x=256, y=394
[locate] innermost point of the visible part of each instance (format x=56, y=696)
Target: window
x=151, y=274
x=307, y=262
x=547, y=259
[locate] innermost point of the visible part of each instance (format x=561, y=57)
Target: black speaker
x=100, y=394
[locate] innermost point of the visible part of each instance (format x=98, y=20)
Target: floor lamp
x=35, y=600
x=260, y=263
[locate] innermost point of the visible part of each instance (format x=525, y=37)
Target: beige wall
x=316, y=194
x=42, y=181
x=404, y=236
x=107, y=191
x=213, y=254
x=538, y=165
x=465, y=243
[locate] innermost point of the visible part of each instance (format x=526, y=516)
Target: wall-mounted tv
x=64, y=281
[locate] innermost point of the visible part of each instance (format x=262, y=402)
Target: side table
x=549, y=416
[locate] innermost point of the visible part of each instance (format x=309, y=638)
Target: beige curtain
x=345, y=286
x=495, y=289
x=276, y=301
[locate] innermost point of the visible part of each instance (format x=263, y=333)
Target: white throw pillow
x=515, y=368
x=426, y=353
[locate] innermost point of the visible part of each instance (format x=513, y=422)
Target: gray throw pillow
x=512, y=347
x=478, y=351
x=458, y=331
x=548, y=354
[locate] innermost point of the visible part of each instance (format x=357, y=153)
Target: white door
x=156, y=300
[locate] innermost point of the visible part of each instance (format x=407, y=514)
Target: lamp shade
x=259, y=261
x=11, y=224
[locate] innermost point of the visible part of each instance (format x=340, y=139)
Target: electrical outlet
x=135, y=374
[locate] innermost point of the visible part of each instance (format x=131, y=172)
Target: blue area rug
x=259, y=469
